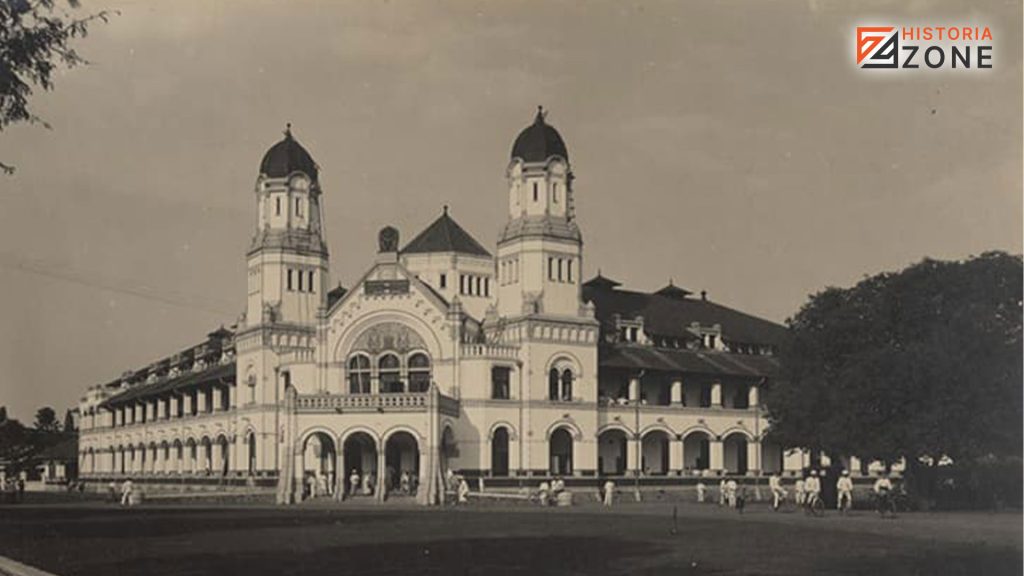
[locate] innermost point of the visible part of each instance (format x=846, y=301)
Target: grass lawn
x=101, y=539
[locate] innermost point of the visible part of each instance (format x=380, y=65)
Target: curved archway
x=206, y=455
x=654, y=449
x=319, y=464
x=419, y=372
x=401, y=463
x=499, y=451
x=560, y=449
x=360, y=450
x=359, y=374
x=734, y=448
x=223, y=452
x=250, y=441
x=697, y=450
x=612, y=452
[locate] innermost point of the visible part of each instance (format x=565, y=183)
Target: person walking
x=722, y=491
x=463, y=491
x=702, y=490
x=609, y=493
x=126, y=492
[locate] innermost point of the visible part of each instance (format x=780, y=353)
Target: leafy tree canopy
x=35, y=39
x=925, y=362
x=46, y=420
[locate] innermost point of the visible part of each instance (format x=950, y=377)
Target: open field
x=101, y=539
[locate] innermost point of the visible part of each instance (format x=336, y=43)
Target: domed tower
x=288, y=265
x=540, y=248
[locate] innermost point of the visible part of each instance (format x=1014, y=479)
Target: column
x=187, y=397
x=633, y=454
x=675, y=455
x=716, y=395
x=201, y=400
x=381, y=488
x=217, y=458
x=634, y=389
x=189, y=460
x=217, y=395
x=677, y=391
x=174, y=400
x=150, y=409
x=754, y=457
x=753, y=396
x=716, y=456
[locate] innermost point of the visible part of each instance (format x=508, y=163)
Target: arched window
x=567, y=385
x=359, y=375
x=390, y=374
x=419, y=372
x=553, y=384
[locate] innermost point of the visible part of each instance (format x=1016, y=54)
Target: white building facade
x=443, y=356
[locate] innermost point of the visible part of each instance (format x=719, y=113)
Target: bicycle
x=885, y=503
x=814, y=506
x=845, y=504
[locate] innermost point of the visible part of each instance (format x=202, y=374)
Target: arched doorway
x=611, y=452
x=401, y=459
x=735, y=453
x=250, y=441
x=319, y=459
x=499, y=452
x=360, y=462
x=192, y=450
x=561, y=452
x=179, y=454
x=206, y=455
x=223, y=447
x=697, y=451
x=654, y=453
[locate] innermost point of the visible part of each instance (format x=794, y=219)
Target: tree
x=922, y=364
x=46, y=420
x=69, y=422
x=35, y=39
x=3, y=414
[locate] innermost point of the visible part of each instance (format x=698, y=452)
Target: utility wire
x=191, y=302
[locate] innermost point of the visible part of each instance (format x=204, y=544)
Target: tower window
x=479, y=286
x=299, y=274
x=278, y=205
x=290, y=287
x=443, y=281
x=559, y=269
x=311, y=281
x=298, y=207
x=554, y=193
x=487, y=286
x=462, y=284
x=534, y=191
x=568, y=270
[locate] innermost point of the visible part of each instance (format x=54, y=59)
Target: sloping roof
x=186, y=380
x=288, y=156
x=335, y=294
x=671, y=316
x=445, y=235
x=634, y=356
x=673, y=291
x=601, y=282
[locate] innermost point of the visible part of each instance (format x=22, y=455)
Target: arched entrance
x=735, y=453
x=697, y=451
x=654, y=453
x=319, y=459
x=611, y=452
x=499, y=452
x=206, y=455
x=192, y=450
x=179, y=454
x=250, y=441
x=401, y=463
x=360, y=463
x=561, y=452
x=224, y=449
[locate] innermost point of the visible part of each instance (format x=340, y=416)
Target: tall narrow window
x=299, y=274
x=290, y=280
x=298, y=207
x=359, y=375
x=487, y=286
x=567, y=385
x=500, y=376
x=534, y=191
x=479, y=286
x=560, y=269
x=553, y=384
x=419, y=372
x=568, y=270
x=390, y=374
x=444, y=281
x=278, y=205
x=551, y=268
x=554, y=192
x=462, y=284
x=310, y=283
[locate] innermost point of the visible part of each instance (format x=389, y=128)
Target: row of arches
x=207, y=455
x=364, y=465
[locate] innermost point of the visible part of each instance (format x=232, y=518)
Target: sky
x=729, y=146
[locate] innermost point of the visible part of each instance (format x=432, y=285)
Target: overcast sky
x=730, y=146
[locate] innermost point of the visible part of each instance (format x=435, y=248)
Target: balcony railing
x=490, y=351
x=386, y=402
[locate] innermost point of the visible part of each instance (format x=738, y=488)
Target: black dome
x=287, y=156
x=539, y=141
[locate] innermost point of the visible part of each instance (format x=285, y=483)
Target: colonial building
x=443, y=355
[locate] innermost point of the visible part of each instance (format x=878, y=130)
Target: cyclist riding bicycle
x=778, y=492
x=812, y=488
x=844, y=488
x=883, y=493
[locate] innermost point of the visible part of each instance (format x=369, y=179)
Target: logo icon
x=877, y=47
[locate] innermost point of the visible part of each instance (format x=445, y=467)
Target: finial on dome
x=288, y=130
x=541, y=114
x=445, y=209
